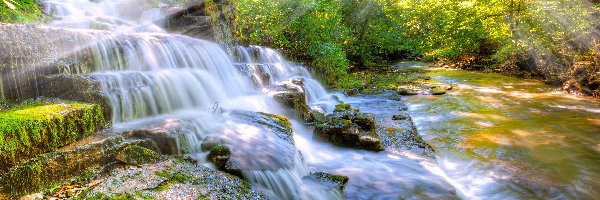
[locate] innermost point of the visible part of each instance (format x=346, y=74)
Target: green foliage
x=19, y=11
x=336, y=36
x=308, y=31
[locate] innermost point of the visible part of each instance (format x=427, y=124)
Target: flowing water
x=495, y=137
x=153, y=78
x=499, y=137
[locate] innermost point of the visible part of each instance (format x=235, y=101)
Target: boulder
x=291, y=94
x=219, y=155
x=348, y=127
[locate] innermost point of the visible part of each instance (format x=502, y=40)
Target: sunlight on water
x=510, y=138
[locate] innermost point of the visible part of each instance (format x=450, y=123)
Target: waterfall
x=153, y=78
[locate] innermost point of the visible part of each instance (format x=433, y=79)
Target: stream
x=499, y=137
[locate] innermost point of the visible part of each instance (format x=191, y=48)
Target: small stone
x=438, y=91
x=403, y=91
x=219, y=155
x=331, y=181
x=399, y=117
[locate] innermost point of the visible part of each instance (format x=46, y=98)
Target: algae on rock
x=32, y=129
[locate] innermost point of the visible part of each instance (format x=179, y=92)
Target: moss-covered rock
x=283, y=121
x=317, y=117
x=219, y=155
x=404, y=91
x=36, y=128
x=210, y=142
x=330, y=180
x=137, y=155
x=438, y=91
x=52, y=168
x=171, y=179
x=342, y=107
x=346, y=126
x=80, y=88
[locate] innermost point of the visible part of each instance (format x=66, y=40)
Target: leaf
x=10, y=4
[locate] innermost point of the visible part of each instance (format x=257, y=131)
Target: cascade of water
x=268, y=62
x=288, y=183
x=165, y=80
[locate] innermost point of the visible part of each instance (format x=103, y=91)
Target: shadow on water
x=500, y=137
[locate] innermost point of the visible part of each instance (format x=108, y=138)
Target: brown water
x=499, y=137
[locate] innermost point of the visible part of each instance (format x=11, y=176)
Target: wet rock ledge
x=38, y=127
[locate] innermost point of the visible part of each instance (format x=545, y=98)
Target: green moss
x=438, y=91
x=404, y=91
x=24, y=178
x=142, y=196
x=174, y=178
x=318, y=117
x=36, y=128
x=342, y=107
x=164, y=174
x=137, y=155
x=281, y=120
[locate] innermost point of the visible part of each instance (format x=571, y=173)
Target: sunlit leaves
x=22, y=11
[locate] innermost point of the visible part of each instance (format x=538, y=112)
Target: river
x=499, y=137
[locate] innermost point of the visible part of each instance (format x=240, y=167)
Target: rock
x=257, y=73
x=438, y=91
x=253, y=142
x=137, y=155
x=330, y=181
x=51, y=168
x=348, y=127
x=317, y=117
x=291, y=94
x=365, y=121
x=39, y=56
x=404, y=91
x=219, y=155
x=352, y=92
x=400, y=117
x=210, y=142
x=171, y=179
x=169, y=135
x=43, y=126
x=75, y=88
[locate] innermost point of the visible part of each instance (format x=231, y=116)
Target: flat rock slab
x=171, y=179
x=394, y=131
x=43, y=126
